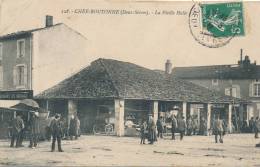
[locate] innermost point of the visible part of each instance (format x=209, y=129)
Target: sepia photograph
x=130, y=83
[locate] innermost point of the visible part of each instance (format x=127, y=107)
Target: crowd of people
x=59, y=129
x=152, y=131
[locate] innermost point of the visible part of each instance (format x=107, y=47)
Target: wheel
x=96, y=129
x=109, y=129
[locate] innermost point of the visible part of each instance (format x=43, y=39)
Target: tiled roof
x=106, y=78
x=217, y=72
x=27, y=32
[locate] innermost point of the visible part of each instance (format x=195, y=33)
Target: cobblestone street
x=237, y=150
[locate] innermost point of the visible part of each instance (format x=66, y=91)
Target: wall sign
x=16, y=95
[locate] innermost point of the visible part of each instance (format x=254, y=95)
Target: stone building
x=241, y=80
x=34, y=60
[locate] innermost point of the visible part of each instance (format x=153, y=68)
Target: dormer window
x=256, y=89
x=20, y=48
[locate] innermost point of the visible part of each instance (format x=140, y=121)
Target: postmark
x=214, y=25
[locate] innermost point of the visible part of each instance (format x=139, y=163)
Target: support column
x=47, y=105
x=155, y=111
x=229, y=123
x=184, y=110
x=209, y=106
x=72, y=109
x=119, y=117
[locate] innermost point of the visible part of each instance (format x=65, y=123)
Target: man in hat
x=17, y=127
x=174, y=126
x=151, y=129
x=159, y=125
x=218, y=129
x=34, y=129
x=56, y=129
x=182, y=126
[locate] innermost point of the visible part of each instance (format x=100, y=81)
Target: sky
x=146, y=40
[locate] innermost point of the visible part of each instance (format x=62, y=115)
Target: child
x=144, y=132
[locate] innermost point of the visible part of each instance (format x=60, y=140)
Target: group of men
x=148, y=128
x=178, y=125
x=18, y=130
x=56, y=130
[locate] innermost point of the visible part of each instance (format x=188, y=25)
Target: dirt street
x=237, y=150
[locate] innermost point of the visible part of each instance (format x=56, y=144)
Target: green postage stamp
x=223, y=19
x=214, y=24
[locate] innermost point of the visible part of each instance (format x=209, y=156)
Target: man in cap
x=17, y=127
x=56, y=129
x=34, y=129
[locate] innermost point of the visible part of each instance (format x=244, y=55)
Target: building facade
x=35, y=59
x=241, y=80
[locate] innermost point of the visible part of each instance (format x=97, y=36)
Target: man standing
x=159, y=125
x=17, y=127
x=218, y=130
x=73, y=127
x=189, y=126
x=203, y=127
x=151, y=129
x=174, y=126
x=256, y=127
x=34, y=129
x=251, y=124
x=194, y=125
x=182, y=127
x=56, y=129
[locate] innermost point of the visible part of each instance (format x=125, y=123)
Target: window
x=256, y=89
x=233, y=91
x=20, y=76
x=215, y=82
x=20, y=48
x=1, y=51
x=227, y=91
x=20, y=79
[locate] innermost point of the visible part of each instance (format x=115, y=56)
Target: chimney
x=48, y=21
x=168, y=67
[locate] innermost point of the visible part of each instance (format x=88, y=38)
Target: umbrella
x=27, y=104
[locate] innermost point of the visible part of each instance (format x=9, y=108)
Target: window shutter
x=238, y=91
x=15, y=76
x=250, y=89
x=1, y=78
x=23, y=48
x=25, y=76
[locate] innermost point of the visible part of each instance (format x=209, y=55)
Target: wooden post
x=229, y=124
x=119, y=117
x=208, y=117
x=155, y=111
x=72, y=109
x=184, y=110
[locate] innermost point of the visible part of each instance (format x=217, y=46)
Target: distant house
x=241, y=80
x=34, y=60
x=121, y=92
